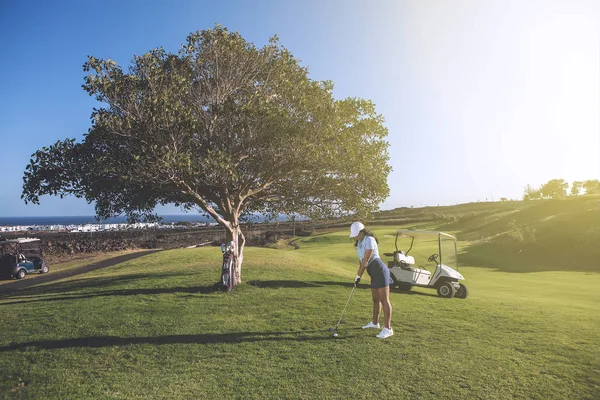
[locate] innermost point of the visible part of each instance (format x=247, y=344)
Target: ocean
x=87, y=219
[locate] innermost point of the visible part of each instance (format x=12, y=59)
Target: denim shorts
x=379, y=273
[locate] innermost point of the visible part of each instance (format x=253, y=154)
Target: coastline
x=91, y=219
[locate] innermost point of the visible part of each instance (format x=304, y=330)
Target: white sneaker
x=371, y=325
x=385, y=333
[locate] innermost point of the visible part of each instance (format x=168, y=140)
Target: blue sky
x=481, y=97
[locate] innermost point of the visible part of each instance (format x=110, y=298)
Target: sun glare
x=555, y=128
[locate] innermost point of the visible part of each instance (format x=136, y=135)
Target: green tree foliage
x=221, y=126
x=554, y=189
x=529, y=193
x=576, y=188
x=591, y=186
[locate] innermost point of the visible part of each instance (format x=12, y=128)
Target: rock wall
x=57, y=244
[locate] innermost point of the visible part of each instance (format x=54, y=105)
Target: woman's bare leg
x=383, y=295
x=376, y=306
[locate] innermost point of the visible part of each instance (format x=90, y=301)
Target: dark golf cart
x=19, y=257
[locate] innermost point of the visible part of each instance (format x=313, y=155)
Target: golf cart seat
x=404, y=259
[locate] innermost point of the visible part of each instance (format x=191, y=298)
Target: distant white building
x=84, y=228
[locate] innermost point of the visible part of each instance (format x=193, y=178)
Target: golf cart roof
x=411, y=233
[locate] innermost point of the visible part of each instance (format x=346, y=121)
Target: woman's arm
x=365, y=261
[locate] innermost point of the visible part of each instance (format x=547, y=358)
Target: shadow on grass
x=537, y=236
x=57, y=294
x=284, y=284
x=54, y=276
x=64, y=291
x=298, y=284
x=92, y=288
x=413, y=293
x=236, y=337
x=515, y=258
x=277, y=284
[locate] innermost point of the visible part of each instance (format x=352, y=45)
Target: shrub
x=521, y=234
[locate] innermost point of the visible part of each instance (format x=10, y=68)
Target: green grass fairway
x=151, y=328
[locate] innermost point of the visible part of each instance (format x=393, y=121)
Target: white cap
x=355, y=229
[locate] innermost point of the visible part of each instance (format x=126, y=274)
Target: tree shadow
x=276, y=284
x=64, y=290
x=94, y=287
x=55, y=276
x=77, y=289
x=76, y=284
x=234, y=337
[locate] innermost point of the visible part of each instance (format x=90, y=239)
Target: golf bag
x=228, y=267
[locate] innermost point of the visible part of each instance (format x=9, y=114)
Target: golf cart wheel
x=21, y=274
x=462, y=292
x=44, y=269
x=446, y=290
x=403, y=286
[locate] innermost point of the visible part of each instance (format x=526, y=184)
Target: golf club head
x=331, y=329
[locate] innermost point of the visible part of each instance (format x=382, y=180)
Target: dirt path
x=51, y=277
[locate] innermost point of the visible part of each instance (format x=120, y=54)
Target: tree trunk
x=234, y=234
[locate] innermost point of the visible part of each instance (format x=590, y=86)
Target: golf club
x=338, y=323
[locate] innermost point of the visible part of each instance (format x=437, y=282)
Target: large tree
x=576, y=188
x=223, y=127
x=591, y=186
x=529, y=193
x=554, y=189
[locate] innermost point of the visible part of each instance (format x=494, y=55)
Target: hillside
x=543, y=235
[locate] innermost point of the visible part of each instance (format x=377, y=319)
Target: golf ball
x=335, y=335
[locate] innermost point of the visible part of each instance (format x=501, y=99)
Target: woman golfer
x=368, y=258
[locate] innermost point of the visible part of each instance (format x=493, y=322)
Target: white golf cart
x=444, y=279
